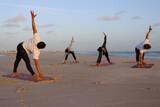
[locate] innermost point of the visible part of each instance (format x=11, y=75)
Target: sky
x=125, y=22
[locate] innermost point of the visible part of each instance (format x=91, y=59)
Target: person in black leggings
x=30, y=46
x=141, y=48
x=22, y=54
x=103, y=51
x=68, y=51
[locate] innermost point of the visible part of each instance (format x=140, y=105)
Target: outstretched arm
x=71, y=43
x=147, y=35
x=105, y=39
x=36, y=61
x=33, y=15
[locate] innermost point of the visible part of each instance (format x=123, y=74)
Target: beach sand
x=81, y=84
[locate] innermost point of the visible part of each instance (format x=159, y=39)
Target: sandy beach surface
x=82, y=84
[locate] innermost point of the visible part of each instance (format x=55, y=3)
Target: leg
x=27, y=62
x=137, y=55
x=99, y=57
x=107, y=56
x=16, y=63
x=66, y=57
x=21, y=53
x=143, y=59
x=73, y=54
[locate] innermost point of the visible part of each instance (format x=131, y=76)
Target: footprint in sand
x=99, y=82
x=21, y=90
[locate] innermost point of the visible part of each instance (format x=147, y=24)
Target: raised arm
x=33, y=15
x=147, y=35
x=105, y=39
x=70, y=45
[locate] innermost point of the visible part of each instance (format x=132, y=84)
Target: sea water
x=149, y=54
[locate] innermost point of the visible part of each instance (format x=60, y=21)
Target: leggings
x=101, y=53
x=70, y=52
x=22, y=54
x=138, y=55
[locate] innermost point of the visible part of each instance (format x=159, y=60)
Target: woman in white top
x=142, y=48
x=30, y=46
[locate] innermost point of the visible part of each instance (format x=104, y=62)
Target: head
x=99, y=49
x=147, y=46
x=66, y=50
x=41, y=45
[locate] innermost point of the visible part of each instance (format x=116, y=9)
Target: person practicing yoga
x=30, y=46
x=103, y=51
x=68, y=51
x=141, y=48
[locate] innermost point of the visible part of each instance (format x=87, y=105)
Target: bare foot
x=41, y=76
x=144, y=63
x=36, y=78
x=13, y=75
x=65, y=62
x=76, y=61
x=97, y=64
x=110, y=63
x=140, y=65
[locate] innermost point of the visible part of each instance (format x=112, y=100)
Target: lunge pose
x=68, y=51
x=30, y=46
x=142, y=48
x=103, y=51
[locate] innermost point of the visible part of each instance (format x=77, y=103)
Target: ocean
x=149, y=54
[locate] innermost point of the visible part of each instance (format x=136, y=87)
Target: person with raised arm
x=141, y=48
x=68, y=51
x=27, y=47
x=103, y=51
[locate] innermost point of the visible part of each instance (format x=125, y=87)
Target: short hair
x=41, y=45
x=66, y=50
x=147, y=46
x=99, y=49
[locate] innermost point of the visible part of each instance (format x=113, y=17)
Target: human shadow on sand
x=144, y=66
x=27, y=77
x=101, y=65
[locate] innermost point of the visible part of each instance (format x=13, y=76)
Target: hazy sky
x=125, y=21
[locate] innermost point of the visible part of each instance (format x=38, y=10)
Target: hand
x=72, y=38
x=150, y=28
x=33, y=14
x=104, y=34
x=41, y=76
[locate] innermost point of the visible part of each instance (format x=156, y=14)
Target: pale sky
x=125, y=21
